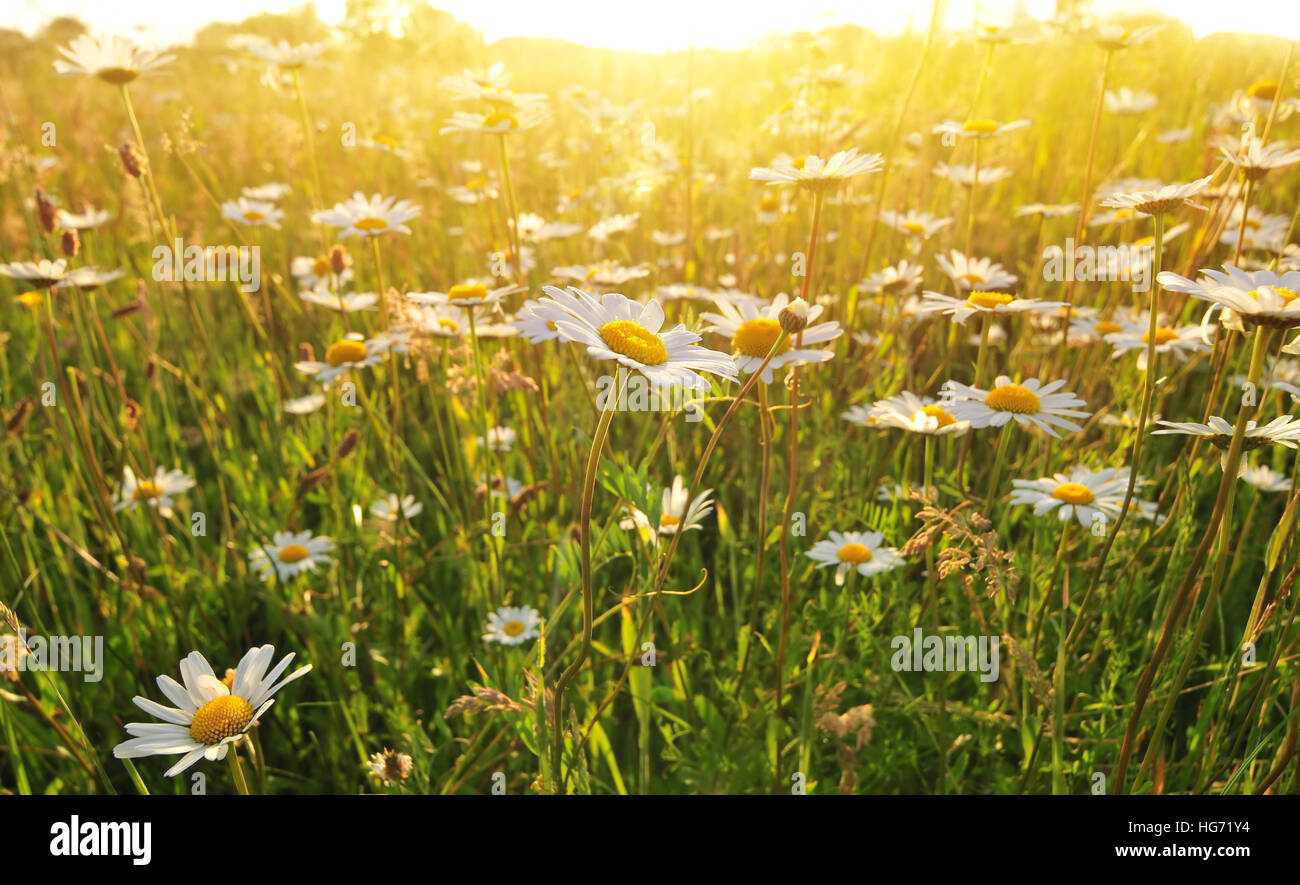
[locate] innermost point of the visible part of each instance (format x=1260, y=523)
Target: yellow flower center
x=1163, y=336
x=117, y=76
x=1287, y=295
x=371, y=224
x=496, y=119
x=1073, y=493
x=292, y=553
x=347, y=350
x=769, y=203
x=1012, y=398
x=983, y=127
x=467, y=292
x=973, y=279
x=1143, y=242
x=634, y=341
x=1105, y=327
x=321, y=266
x=221, y=718
x=855, y=554
x=387, y=141
x=514, y=628
x=915, y=228
x=1125, y=214
x=989, y=300
x=938, y=413
x=1264, y=90
x=799, y=162
x=756, y=337
x=253, y=215
x=668, y=521
x=449, y=325
x=145, y=490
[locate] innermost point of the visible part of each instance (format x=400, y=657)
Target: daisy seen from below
x=1261, y=297
x=362, y=216
x=1030, y=404
x=753, y=328
x=114, y=60
x=290, y=554
x=211, y=714
x=156, y=492
x=677, y=513
x=813, y=173
x=512, y=625
x=1159, y=200
x=614, y=327
x=862, y=552
x=1081, y=494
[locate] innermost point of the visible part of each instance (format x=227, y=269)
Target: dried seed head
x=339, y=259
x=46, y=212
x=132, y=162
x=794, y=316
x=70, y=243
x=350, y=440
x=306, y=353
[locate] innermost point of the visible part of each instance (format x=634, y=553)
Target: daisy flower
x=1127, y=103
x=1048, y=210
x=87, y=220
x=305, y=405
x=916, y=225
x=1112, y=36
x=511, y=625
x=501, y=122
x=465, y=295
x=533, y=327
x=211, y=714
x=114, y=60
x=1082, y=494
x=316, y=273
x=1253, y=157
x=1160, y=200
x=962, y=309
x=860, y=551
x=614, y=327
x=753, y=328
x=977, y=128
x=602, y=273
x=255, y=213
x=1174, y=136
x=1181, y=342
x=290, y=554
x=44, y=274
x=267, y=193
x=616, y=224
x=1283, y=430
x=390, y=766
x=900, y=279
x=813, y=173
x=286, y=56
x=1261, y=297
x=966, y=175
x=677, y=514
x=391, y=507
x=360, y=216
x=975, y=273
x=156, y=492
x=1264, y=478
x=343, y=302
x=499, y=439
x=353, y=352
x=909, y=412
x=1029, y=404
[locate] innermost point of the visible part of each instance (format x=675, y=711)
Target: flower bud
x=132, y=162
x=70, y=243
x=794, y=316
x=46, y=212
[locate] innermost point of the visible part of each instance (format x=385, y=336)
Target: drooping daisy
x=1181, y=342
x=353, y=351
x=290, y=554
x=1283, y=430
x=211, y=714
x=617, y=328
x=677, y=514
x=373, y=216
x=754, y=328
x=860, y=551
x=511, y=625
x=981, y=302
x=254, y=213
x=1264, y=478
x=1082, y=494
x=1030, y=403
x=1261, y=297
x=114, y=60
x=813, y=173
x=909, y=412
x=979, y=274
x=156, y=492
x=389, y=508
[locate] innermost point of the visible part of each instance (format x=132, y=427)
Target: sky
x=651, y=27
